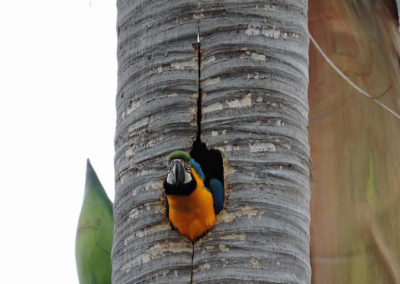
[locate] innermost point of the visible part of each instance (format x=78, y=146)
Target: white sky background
x=58, y=80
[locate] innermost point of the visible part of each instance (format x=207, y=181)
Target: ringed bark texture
x=156, y=114
x=254, y=78
x=253, y=83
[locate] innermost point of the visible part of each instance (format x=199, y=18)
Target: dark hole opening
x=210, y=161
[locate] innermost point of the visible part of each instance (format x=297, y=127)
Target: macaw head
x=180, y=180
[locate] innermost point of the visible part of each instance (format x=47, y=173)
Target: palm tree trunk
x=253, y=108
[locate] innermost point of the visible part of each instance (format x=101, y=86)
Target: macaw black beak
x=178, y=173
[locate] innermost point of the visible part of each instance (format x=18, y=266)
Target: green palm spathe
x=95, y=233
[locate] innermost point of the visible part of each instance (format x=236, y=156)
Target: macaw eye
x=188, y=165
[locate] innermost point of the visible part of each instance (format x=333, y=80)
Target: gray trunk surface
x=253, y=87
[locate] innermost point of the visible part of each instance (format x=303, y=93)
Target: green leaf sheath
x=95, y=233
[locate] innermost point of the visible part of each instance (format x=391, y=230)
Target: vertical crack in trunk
x=199, y=90
x=197, y=50
x=191, y=271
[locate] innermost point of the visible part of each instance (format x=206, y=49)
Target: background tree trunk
x=355, y=183
x=253, y=81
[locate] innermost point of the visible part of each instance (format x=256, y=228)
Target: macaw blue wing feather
x=218, y=193
x=198, y=169
x=216, y=188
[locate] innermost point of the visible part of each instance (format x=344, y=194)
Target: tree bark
x=253, y=87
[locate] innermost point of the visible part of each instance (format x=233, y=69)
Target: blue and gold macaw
x=191, y=206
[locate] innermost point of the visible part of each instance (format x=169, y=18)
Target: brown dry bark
x=355, y=149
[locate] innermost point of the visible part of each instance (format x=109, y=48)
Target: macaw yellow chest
x=194, y=214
